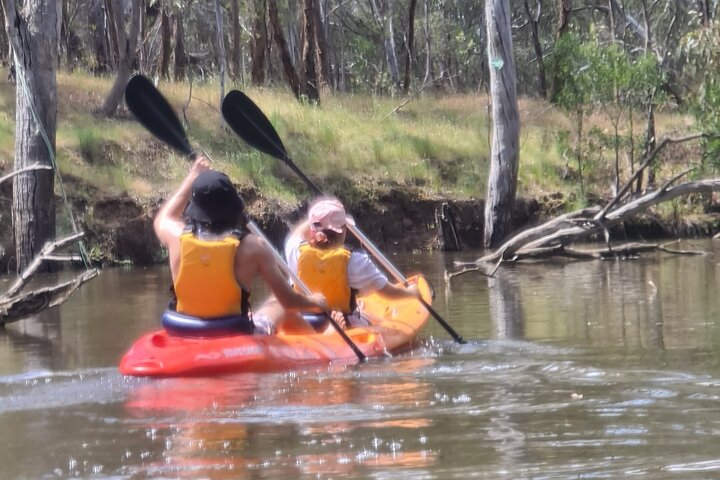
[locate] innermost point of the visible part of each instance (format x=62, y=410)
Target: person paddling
x=317, y=253
x=214, y=259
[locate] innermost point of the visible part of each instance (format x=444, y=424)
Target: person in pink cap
x=317, y=253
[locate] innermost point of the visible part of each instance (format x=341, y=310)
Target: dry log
x=551, y=239
x=15, y=305
x=20, y=306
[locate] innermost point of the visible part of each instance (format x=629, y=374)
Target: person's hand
x=412, y=289
x=319, y=300
x=339, y=318
x=200, y=165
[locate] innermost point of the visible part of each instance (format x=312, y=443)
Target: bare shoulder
x=253, y=245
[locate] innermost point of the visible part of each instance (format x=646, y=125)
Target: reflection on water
x=592, y=369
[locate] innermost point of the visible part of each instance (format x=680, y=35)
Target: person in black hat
x=214, y=259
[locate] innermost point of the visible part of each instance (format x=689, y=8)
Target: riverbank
x=414, y=179
x=119, y=228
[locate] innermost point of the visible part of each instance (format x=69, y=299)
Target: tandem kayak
x=394, y=324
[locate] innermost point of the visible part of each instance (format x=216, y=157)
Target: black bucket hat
x=214, y=199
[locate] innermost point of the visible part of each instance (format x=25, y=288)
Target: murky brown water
x=581, y=370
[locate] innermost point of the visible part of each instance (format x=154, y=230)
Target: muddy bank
x=119, y=228
x=396, y=219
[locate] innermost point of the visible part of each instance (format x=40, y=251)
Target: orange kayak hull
x=395, y=324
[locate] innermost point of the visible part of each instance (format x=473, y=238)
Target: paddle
x=250, y=123
x=155, y=113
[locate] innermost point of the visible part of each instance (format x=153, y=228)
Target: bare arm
x=286, y=295
x=393, y=291
x=168, y=222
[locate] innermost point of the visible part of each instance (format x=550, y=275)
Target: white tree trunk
x=220, y=49
x=34, y=38
x=504, y=161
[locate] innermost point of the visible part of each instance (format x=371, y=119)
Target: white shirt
x=363, y=275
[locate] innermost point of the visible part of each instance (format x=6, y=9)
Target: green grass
x=437, y=144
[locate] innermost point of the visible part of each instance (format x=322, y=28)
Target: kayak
x=394, y=324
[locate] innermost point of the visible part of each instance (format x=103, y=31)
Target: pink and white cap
x=328, y=214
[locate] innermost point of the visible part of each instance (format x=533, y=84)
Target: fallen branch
x=551, y=239
x=412, y=97
x=628, y=250
x=44, y=254
x=34, y=166
x=30, y=303
x=15, y=305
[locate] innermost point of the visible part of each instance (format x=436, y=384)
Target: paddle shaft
x=369, y=246
x=285, y=268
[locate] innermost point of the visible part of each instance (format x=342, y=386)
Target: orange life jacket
x=325, y=271
x=205, y=285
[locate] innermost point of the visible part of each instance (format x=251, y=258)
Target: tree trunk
x=288, y=68
x=222, y=59
x=321, y=46
x=410, y=45
x=310, y=82
x=34, y=37
x=96, y=18
x=237, y=46
x=385, y=17
x=428, y=45
x=502, y=181
x=259, y=42
x=166, y=34
x=4, y=43
x=111, y=34
x=534, y=20
x=180, y=55
x=126, y=55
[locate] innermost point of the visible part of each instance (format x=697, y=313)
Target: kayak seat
x=319, y=321
x=182, y=325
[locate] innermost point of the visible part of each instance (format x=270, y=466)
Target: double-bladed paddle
x=250, y=123
x=154, y=112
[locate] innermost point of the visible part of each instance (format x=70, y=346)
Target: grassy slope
x=439, y=145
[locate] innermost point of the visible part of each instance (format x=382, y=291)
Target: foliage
x=701, y=48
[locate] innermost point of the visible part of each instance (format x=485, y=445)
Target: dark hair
x=218, y=226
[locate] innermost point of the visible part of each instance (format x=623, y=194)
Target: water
x=573, y=370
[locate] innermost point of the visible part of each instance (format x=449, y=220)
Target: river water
x=572, y=370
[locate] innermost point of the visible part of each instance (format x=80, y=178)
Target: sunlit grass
x=439, y=144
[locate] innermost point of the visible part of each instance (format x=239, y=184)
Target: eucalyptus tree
x=504, y=155
x=33, y=34
x=125, y=42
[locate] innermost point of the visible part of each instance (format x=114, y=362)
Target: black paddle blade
x=155, y=113
x=250, y=123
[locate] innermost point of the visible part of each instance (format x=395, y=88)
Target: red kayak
x=394, y=325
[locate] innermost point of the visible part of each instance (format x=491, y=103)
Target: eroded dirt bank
x=396, y=218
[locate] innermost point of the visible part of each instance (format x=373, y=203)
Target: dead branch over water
x=553, y=237
x=16, y=304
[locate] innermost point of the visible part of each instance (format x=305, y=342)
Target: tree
x=166, y=34
x=502, y=181
x=126, y=44
x=409, y=45
x=236, y=54
x=220, y=37
x=180, y=55
x=288, y=68
x=309, y=78
x=33, y=33
x=259, y=43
